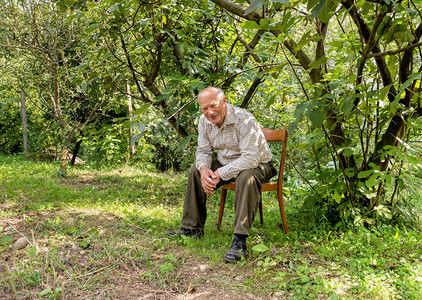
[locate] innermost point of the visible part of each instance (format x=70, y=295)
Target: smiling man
x=243, y=156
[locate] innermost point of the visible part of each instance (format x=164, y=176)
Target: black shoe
x=194, y=233
x=236, y=251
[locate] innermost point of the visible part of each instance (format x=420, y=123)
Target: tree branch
x=179, y=56
x=394, y=52
x=132, y=69
x=365, y=33
x=251, y=91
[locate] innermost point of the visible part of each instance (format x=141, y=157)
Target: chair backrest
x=278, y=135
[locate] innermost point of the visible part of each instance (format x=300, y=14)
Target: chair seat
x=268, y=186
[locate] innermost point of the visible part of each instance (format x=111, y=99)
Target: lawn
x=101, y=234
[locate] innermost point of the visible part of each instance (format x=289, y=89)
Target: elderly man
x=243, y=156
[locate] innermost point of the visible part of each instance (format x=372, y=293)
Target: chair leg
x=283, y=216
x=222, y=203
x=260, y=212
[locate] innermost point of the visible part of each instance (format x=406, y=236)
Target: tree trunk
x=130, y=115
x=24, y=122
x=75, y=152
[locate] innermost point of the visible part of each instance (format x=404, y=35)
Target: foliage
x=48, y=38
x=10, y=123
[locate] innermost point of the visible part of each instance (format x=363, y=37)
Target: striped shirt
x=240, y=143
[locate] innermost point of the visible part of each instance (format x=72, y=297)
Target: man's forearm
x=203, y=160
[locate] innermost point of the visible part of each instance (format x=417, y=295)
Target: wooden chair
x=270, y=136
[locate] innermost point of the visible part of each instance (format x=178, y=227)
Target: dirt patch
x=86, y=180
x=113, y=267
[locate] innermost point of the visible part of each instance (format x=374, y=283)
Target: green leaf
x=142, y=126
x=288, y=21
x=347, y=105
x=311, y=4
x=276, y=26
x=303, y=41
x=348, y=152
x=405, y=36
x=364, y=174
x=304, y=279
x=300, y=109
x=337, y=197
x=44, y=292
x=349, y=172
x=318, y=8
x=327, y=12
x=372, y=181
x=316, y=38
x=144, y=108
x=135, y=138
x=260, y=248
x=317, y=63
x=271, y=101
x=250, y=25
x=32, y=251
x=395, y=32
x=413, y=160
x=184, y=143
x=316, y=116
x=410, y=79
x=115, y=7
x=255, y=5
x=264, y=23
x=293, y=126
x=384, y=91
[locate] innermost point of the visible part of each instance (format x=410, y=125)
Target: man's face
x=213, y=108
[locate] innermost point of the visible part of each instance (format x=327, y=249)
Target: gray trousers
x=247, y=195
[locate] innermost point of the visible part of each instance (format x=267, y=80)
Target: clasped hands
x=209, y=179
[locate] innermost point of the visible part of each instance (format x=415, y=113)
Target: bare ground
x=99, y=273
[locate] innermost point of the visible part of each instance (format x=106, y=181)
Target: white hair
x=220, y=92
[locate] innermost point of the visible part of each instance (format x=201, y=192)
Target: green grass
x=102, y=234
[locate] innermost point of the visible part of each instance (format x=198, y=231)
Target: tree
x=49, y=33
x=364, y=90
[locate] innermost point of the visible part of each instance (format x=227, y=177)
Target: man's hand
x=209, y=179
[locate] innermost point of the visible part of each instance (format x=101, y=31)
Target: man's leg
x=194, y=208
x=246, y=199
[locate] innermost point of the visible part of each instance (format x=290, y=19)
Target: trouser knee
x=246, y=177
